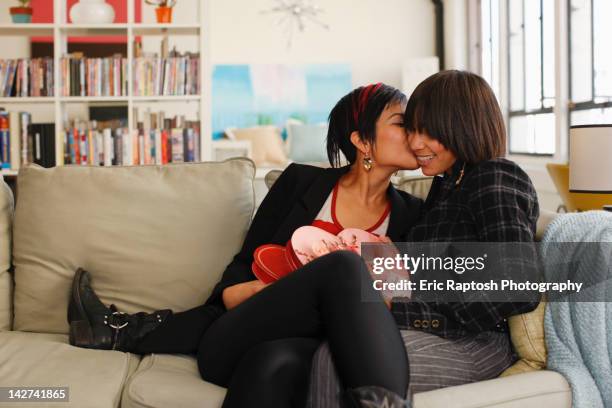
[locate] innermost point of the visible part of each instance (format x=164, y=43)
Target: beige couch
x=152, y=237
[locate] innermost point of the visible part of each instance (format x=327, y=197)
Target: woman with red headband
x=258, y=340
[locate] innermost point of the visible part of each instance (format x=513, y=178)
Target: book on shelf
x=176, y=75
x=111, y=143
x=5, y=152
x=23, y=142
x=26, y=77
x=83, y=76
x=43, y=143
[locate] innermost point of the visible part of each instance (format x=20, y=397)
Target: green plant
x=302, y=117
x=264, y=119
x=24, y=3
x=161, y=3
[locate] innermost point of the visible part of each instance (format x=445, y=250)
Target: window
x=531, y=76
x=590, y=61
x=530, y=46
x=529, y=33
x=490, y=44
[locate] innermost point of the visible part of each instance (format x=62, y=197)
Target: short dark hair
x=458, y=109
x=358, y=111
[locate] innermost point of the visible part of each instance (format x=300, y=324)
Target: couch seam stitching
x=153, y=357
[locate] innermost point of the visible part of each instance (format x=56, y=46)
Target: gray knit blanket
x=579, y=332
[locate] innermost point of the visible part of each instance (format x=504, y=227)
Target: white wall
x=374, y=36
x=456, y=34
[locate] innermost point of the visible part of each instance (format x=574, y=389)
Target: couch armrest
x=531, y=390
x=6, y=279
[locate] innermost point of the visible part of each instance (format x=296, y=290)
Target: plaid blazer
x=494, y=201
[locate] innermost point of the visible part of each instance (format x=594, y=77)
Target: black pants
x=261, y=350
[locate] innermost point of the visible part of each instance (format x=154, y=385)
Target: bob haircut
x=358, y=111
x=459, y=110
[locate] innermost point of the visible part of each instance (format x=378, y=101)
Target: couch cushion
x=527, y=334
x=306, y=143
x=94, y=378
x=266, y=144
x=527, y=329
x=6, y=280
x=544, y=220
x=415, y=185
x=151, y=236
x=531, y=390
x=170, y=381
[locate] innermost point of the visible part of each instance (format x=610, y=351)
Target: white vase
x=92, y=12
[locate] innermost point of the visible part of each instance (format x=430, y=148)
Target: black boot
x=374, y=397
x=93, y=325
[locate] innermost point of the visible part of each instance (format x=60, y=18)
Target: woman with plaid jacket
x=456, y=131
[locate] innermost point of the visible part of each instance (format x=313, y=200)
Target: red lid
x=270, y=263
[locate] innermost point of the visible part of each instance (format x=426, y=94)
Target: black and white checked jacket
x=494, y=201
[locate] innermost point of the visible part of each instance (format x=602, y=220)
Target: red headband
x=364, y=97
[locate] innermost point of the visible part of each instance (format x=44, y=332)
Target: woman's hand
x=234, y=295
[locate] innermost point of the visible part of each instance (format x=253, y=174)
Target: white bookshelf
x=61, y=29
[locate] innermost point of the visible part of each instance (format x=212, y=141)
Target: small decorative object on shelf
x=92, y=12
x=22, y=14
x=163, y=10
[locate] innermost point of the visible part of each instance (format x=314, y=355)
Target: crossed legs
x=277, y=330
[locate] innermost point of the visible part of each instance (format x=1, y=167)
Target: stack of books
x=23, y=142
x=26, y=77
x=93, y=76
x=113, y=144
x=175, y=75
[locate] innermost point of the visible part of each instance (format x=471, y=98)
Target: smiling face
x=430, y=154
x=454, y=115
x=391, y=148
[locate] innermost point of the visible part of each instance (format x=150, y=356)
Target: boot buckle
x=118, y=326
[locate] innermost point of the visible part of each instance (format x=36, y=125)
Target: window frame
x=525, y=112
x=560, y=110
x=591, y=104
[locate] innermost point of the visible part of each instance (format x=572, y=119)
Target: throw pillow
x=266, y=144
x=307, y=143
x=527, y=335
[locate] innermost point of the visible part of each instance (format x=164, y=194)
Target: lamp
x=590, y=160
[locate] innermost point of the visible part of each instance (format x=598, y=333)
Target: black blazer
x=293, y=201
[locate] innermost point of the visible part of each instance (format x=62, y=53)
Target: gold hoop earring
x=460, y=175
x=367, y=163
